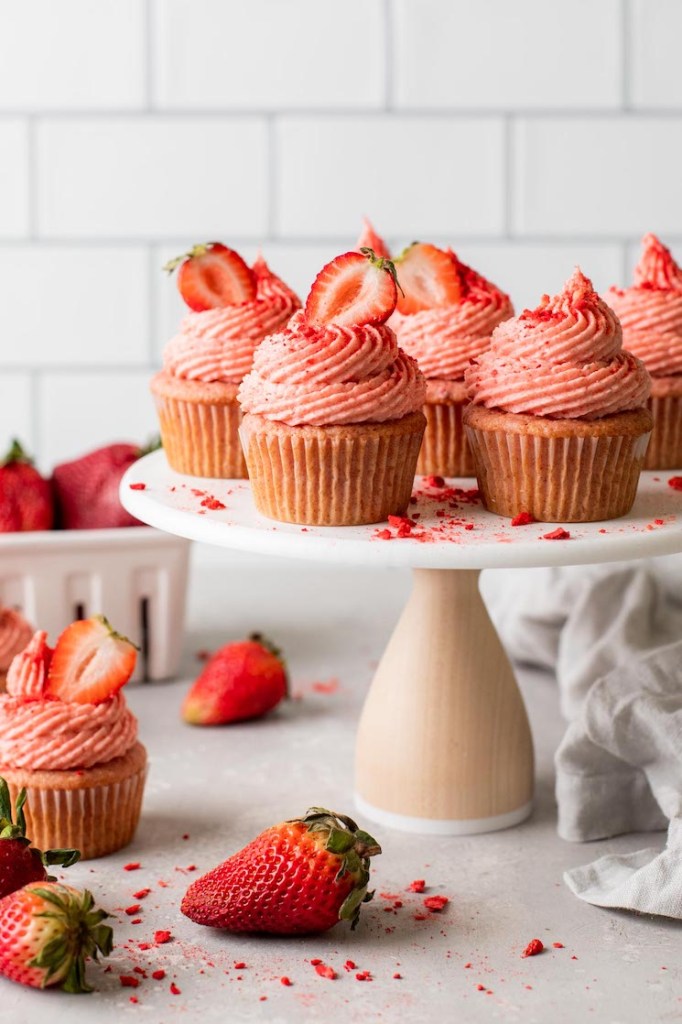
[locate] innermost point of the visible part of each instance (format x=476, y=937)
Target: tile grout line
x=361, y=113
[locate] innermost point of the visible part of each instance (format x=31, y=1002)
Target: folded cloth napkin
x=613, y=634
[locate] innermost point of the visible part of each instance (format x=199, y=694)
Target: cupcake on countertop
x=68, y=737
x=558, y=423
x=15, y=633
x=233, y=308
x=332, y=423
x=444, y=318
x=650, y=313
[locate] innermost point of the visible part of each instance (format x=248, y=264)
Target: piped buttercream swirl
x=445, y=339
x=331, y=375
x=218, y=344
x=562, y=360
x=15, y=633
x=651, y=310
x=27, y=674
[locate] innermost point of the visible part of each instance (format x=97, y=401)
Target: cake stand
x=443, y=744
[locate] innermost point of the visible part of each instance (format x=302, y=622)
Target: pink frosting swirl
x=53, y=735
x=445, y=339
x=651, y=311
x=331, y=375
x=218, y=344
x=28, y=671
x=561, y=360
x=15, y=633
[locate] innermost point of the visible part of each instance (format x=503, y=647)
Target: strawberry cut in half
x=91, y=662
x=356, y=288
x=428, y=278
x=211, y=275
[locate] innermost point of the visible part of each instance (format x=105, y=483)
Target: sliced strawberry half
x=91, y=662
x=212, y=275
x=355, y=288
x=428, y=278
x=369, y=239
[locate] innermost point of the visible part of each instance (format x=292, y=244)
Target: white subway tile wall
x=529, y=136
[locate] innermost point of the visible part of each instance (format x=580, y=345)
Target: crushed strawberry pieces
x=417, y=886
x=128, y=981
x=138, y=487
x=675, y=482
x=162, y=936
x=558, y=534
x=534, y=947
x=436, y=903
x=523, y=519
x=325, y=971
x=134, y=909
x=141, y=894
x=133, y=866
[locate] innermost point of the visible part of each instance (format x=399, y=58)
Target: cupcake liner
x=332, y=476
x=665, y=446
x=95, y=810
x=445, y=450
x=200, y=427
x=560, y=471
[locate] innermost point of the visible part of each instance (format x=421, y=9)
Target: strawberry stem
x=16, y=453
x=197, y=250
x=382, y=263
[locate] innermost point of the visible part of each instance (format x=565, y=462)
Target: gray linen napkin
x=613, y=634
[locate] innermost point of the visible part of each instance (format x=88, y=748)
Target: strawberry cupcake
x=651, y=316
x=233, y=308
x=69, y=739
x=333, y=420
x=558, y=424
x=15, y=633
x=445, y=315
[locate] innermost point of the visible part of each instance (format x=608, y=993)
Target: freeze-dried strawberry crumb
x=144, y=945
x=325, y=971
x=397, y=976
x=174, y=989
x=159, y=975
x=135, y=909
x=186, y=835
x=212, y=503
x=239, y=966
x=481, y=988
x=523, y=519
x=468, y=526
x=138, y=487
x=383, y=535
x=558, y=534
x=128, y=981
x=140, y=970
x=417, y=886
x=286, y=981
x=327, y=686
x=162, y=936
x=364, y=976
x=401, y=521
x=436, y=903
x=558, y=945
x=136, y=920
x=134, y=999
x=534, y=947
x=315, y=961
x=133, y=866
x=421, y=917
x=675, y=482
x=467, y=965
x=350, y=965
x=141, y=894
x=434, y=481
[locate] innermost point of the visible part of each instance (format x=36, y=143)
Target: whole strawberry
x=21, y=863
x=25, y=496
x=240, y=681
x=47, y=931
x=296, y=878
x=86, y=489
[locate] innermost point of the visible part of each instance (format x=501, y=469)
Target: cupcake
x=233, y=308
x=15, y=633
x=651, y=316
x=68, y=738
x=558, y=424
x=333, y=420
x=444, y=319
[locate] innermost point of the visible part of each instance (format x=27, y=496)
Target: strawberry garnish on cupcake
x=240, y=681
x=212, y=275
x=91, y=662
x=47, y=932
x=25, y=496
x=369, y=239
x=20, y=861
x=356, y=288
x=299, y=877
x=429, y=278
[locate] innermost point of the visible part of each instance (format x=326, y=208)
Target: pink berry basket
x=136, y=576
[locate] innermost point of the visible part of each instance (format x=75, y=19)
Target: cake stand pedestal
x=443, y=745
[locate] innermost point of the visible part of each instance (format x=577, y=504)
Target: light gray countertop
x=224, y=785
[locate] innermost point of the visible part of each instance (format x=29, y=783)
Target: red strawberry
x=47, y=931
x=90, y=663
x=21, y=863
x=369, y=239
x=212, y=275
x=86, y=489
x=296, y=878
x=428, y=278
x=241, y=680
x=355, y=288
x=25, y=497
